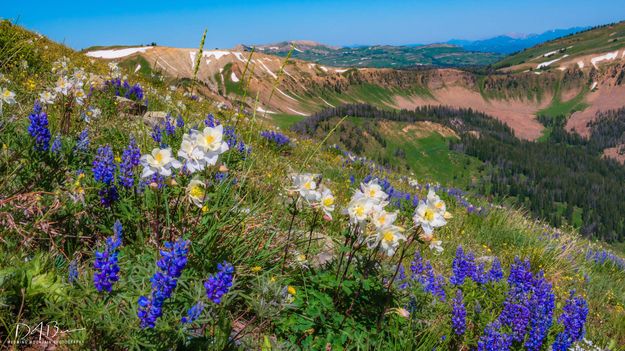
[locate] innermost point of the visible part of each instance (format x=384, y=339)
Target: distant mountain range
x=453, y=53
x=508, y=44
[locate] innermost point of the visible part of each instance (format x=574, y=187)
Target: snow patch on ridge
x=606, y=57
x=299, y=113
x=285, y=94
x=117, y=53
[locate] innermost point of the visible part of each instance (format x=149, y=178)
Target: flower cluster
x=603, y=256
x=82, y=144
x=307, y=187
x=124, y=89
x=104, y=168
x=493, y=339
x=219, y=284
x=529, y=305
x=56, y=145
x=573, y=319
x=193, y=313
x=130, y=160
x=276, y=138
x=463, y=267
x=170, y=266
x=106, y=267
x=425, y=275
x=367, y=205
x=431, y=214
x=38, y=128
x=458, y=314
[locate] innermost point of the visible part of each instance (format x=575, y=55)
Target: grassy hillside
x=258, y=261
x=597, y=40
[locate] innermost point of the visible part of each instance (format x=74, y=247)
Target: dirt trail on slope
x=518, y=114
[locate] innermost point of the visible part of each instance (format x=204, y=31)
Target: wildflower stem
x=401, y=258
x=312, y=227
x=288, y=236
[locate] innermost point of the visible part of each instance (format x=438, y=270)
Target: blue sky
x=181, y=23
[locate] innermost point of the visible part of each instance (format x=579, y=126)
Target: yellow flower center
x=382, y=219
x=428, y=215
x=308, y=185
x=388, y=236
x=372, y=192
x=159, y=157
x=197, y=192
x=328, y=201
x=359, y=211
x=209, y=139
x=440, y=204
x=291, y=290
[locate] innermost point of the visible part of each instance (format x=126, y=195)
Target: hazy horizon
x=345, y=23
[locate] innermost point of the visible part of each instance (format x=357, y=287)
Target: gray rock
x=153, y=118
x=131, y=107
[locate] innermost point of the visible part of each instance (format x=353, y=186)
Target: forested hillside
x=563, y=180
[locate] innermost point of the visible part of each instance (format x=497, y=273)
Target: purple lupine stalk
x=156, y=134
x=106, y=267
x=104, y=166
x=170, y=128
x=193, y=313
x=179, y=122
x=82, y=144
x=164, y=281
x=463, y=266
x=130, y=160
x=219, y=283
x=56, y=145
x=211, y=121
x=495, y=273
x=38, y=128
x=541, y=306
x=573, y=319
x=517, y=316
x=275, y=137
x=458, y=314
x=493, y=339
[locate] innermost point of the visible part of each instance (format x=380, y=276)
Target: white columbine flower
x=373, y=190
x=160, y=161
x=91, y=112
x=383, y=218
x=80, y=96
x=47, y=97
x=63, y=86
x=194, y=156
x=436, y=201
x=435, y=245
x=212, y=143
x=326, y=202
x=359, y=209
x=7, y=96
x=306, y=185
x=388, y=237
x=428, y=217
x=196, y=190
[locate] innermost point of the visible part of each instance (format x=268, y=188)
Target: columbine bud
x=172, y=182
x=154, y=185
x=223, y=168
